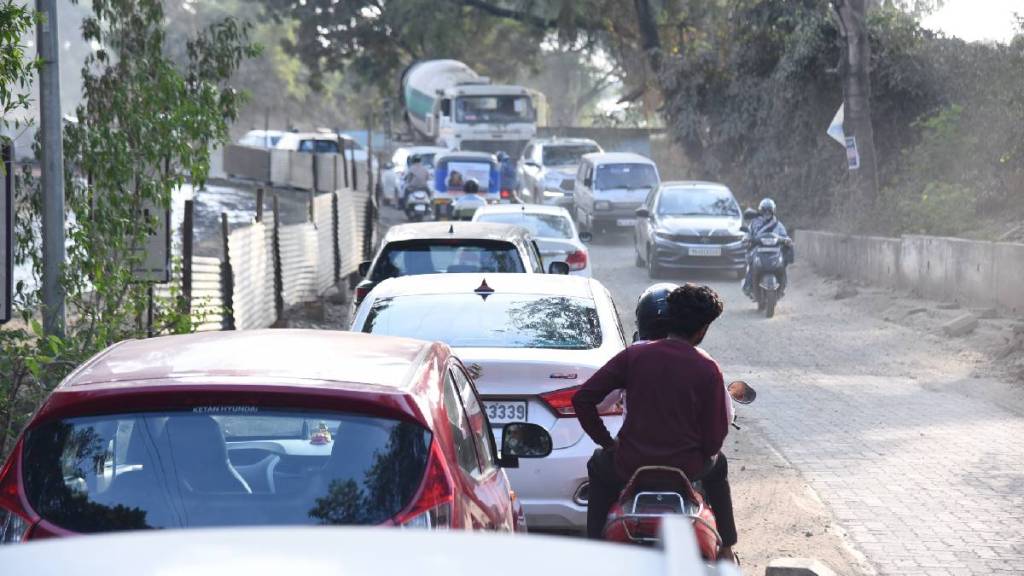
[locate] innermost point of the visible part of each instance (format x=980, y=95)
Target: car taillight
x=506, y=194
x=15, y=521
x=577, y=260
x=433, y=505
x=561, y=402
x=361, y=292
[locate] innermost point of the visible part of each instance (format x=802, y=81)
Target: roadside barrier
x=265, y=266
x=983, y=274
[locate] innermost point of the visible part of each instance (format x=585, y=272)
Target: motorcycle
x=768, y=278
x=417, y=205
x=655, y=492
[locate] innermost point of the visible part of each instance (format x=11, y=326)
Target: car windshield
x=495, y=321
x=539, y=225
x=628, y=176
x=484, y=109
x=697, y=202
x=426, y=158
x=565, y=155
x=319, y=146
x=222, y=465
x=433, y=257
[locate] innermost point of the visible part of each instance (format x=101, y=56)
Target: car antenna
x=451, y=228
x=484, y=290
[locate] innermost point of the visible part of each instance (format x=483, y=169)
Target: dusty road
x=861, y=441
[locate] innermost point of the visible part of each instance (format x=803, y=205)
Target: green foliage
x=15, y=71
x=144, y=128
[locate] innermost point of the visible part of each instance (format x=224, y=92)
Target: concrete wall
x=971, y=272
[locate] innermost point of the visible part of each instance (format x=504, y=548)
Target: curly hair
x=692, y=307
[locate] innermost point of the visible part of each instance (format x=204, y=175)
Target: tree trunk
x=855, y=71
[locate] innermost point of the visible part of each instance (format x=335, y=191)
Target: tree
x=144, y=127
x=855, y=74
x=16, y=72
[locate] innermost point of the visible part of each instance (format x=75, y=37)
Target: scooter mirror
x=742, y=392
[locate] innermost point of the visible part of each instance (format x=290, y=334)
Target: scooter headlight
x=769, y=240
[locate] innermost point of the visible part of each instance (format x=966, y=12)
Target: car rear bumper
x=546, y=486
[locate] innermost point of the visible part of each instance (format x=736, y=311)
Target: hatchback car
x=260, y=428
x=610, y=187
x=547, y=169
x=690, y=226
x=443, y=247
x=530, y=341
x=552, y=228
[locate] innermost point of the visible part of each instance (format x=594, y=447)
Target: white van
x=609, y=187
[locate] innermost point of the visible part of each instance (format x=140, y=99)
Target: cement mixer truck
x=448, y=104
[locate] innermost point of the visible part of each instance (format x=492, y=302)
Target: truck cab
x=484, y=118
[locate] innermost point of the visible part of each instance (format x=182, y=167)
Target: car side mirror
x=523, y=440
x=642, y=212
x=364, y=268
x=568, y=185
x=742, y=392
x=558, y=268
x=586, y=237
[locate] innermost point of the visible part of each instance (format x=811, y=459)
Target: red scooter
x=658, y=491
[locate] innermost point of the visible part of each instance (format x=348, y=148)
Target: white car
x=547, y=163
x=530, y=341
x=330, y=551
x=551, y=226
x=261, y=138
x=393, y=177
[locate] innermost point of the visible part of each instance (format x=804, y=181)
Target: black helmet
x=471, y=186
x=652, y=311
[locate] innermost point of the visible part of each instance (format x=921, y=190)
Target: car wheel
x=653, y=270
x=639, y=262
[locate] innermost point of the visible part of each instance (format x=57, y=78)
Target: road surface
x=916, y=476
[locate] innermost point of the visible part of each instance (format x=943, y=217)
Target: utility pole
x=855, y=71
x=51, y=126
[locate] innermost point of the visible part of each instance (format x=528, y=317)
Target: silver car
x=530, y=341
x=548, y=165
x=552, y=228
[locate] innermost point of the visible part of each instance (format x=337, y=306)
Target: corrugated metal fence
x=266, y=266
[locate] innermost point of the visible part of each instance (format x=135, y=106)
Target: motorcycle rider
x=765, y=222
x=678, y=409
x=417, y=177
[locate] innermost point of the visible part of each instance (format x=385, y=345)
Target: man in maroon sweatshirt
x=676, y=407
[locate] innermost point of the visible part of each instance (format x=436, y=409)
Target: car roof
x=523, y=209
x=617, y=158
x=353, y=551
x=467, y=155
x=315, y=356
x=469, y=283
x=692, y=184
x=556, y=140
x=458, y=230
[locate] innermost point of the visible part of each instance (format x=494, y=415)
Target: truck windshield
x=493, y=109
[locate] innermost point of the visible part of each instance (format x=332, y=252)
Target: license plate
x=706, y=251
x=419, y=208
x=504, y=412
x=625, y=221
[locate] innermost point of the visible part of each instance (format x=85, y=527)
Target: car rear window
x=540, y=225
x=222, y=466
x=497, y=321
x=426, y=257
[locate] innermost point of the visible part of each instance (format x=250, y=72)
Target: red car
x=275, y=427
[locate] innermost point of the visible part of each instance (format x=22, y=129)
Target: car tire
x=654, y=271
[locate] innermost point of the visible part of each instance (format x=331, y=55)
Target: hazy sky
x=977, y=19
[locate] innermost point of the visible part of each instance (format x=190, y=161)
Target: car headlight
x=662, y=235
x=554, y=194
x=602, y=205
